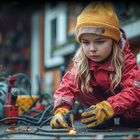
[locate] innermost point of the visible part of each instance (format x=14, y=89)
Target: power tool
x=10, y=107
x=8, y=97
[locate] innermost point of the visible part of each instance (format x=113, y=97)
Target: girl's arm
x=64, y=95
x=129, y=97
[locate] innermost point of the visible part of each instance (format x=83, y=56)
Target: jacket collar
x=105, y=65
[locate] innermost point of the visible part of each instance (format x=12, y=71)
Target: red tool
x=10, y=107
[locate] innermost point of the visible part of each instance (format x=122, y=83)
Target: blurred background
x=38, y=38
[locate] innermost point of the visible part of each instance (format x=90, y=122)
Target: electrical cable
x=31, y=120
x=25, y=120
x=18, y=83
x=20, y=75
x=47, y=110
x=35, y=116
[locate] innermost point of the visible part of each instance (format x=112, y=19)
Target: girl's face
x=96, y=47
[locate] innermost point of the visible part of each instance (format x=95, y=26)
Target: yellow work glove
x=97, y=114
x=58, y=120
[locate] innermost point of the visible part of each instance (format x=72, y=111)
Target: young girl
x=105, y=76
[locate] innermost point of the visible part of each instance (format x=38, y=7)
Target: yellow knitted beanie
x=98, y=18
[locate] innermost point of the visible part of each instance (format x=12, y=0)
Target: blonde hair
x=82, y=69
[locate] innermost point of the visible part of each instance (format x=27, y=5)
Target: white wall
x=35, y=51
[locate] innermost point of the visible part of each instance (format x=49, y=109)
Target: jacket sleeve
x=64, y=96
x=129, y=97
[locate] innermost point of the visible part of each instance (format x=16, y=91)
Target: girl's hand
x=58, y=120
x=97, y=114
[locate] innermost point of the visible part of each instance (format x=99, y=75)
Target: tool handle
x=69, y=117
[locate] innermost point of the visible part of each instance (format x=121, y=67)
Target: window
x=55, y=33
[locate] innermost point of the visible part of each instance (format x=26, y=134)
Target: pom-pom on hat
x=98, y=18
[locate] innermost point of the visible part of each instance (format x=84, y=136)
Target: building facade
x=53, y=41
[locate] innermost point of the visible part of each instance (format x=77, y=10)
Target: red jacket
x=126, y=100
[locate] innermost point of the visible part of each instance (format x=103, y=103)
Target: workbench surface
x=45, y=132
